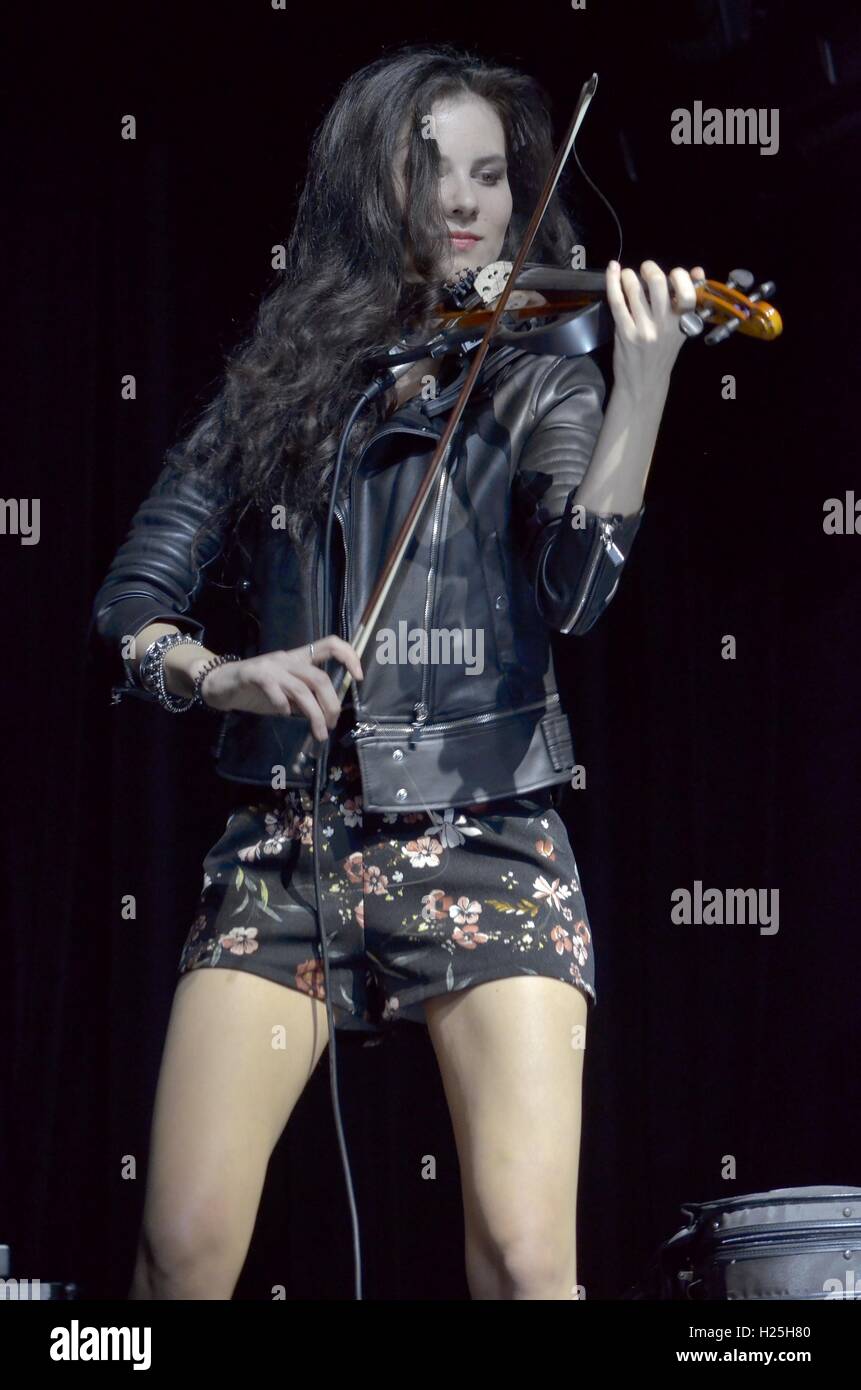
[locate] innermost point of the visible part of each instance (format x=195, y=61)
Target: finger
x=657, y=288
x=342, y=651
x=300, y=695
x=698, y=273
x=636, y=297
x=617, y=302
x=276, y=697
x=684, y=294
x=324, y=690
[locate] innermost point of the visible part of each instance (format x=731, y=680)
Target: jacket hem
x=457, y=767
x=439, y=769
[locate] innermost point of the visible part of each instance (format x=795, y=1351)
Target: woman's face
x=475, y=197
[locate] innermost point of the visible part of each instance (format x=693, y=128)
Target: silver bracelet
x=204, y=672
x=151, y=671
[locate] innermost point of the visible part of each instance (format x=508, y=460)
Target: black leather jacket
x=495, y=553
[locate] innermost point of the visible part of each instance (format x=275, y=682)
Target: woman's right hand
x=284, y=682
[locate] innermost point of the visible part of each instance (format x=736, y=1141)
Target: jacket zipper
x=603, y=538
x=422, y=709
x=344, y=630
x=368, y=726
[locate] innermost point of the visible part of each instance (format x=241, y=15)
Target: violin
x=575, y=303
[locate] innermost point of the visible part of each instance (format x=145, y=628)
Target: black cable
x=604, y=200
x=382, y=383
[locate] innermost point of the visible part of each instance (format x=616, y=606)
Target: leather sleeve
x=152, y=577
x=574, y=556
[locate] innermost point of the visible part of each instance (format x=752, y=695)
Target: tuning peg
x=766, y=290
x=691, y=324
x=721, y=333
x=740, y=280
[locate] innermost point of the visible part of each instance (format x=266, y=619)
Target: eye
x=489, y=177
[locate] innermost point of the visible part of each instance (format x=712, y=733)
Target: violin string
x=604, y=200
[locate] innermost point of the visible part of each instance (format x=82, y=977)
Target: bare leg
x=225, y=1093
x=511, y=1057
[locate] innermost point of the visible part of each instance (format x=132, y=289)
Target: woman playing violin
x=452, y=895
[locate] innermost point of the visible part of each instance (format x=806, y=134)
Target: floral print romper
x=416, y=904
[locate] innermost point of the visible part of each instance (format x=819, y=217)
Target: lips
x=463, y=236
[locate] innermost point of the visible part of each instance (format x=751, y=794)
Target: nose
x=458, y=196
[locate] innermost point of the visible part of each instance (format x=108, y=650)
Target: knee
x=534, y=1265
x=192, y=1255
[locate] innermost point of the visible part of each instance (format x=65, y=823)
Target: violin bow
x=362, y=635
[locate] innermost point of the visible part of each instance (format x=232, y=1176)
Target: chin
x=456, y=261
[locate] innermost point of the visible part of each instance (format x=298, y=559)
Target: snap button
x=398, y=755
x=501, y=601
x=244, y=585
x=401, y=793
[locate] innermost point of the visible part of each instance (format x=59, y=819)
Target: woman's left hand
x=648, y=338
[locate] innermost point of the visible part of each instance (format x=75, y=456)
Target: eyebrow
x=481, y=159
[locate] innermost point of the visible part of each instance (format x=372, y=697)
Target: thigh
x=511, y=1058
x=238, y=1052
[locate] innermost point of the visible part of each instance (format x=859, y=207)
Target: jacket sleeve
x=574, y=556
x=152, y=577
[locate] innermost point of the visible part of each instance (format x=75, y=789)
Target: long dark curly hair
x=270, y=434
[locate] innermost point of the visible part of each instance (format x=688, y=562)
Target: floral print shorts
x=416, y=904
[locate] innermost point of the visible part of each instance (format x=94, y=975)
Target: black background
x=149, y=257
